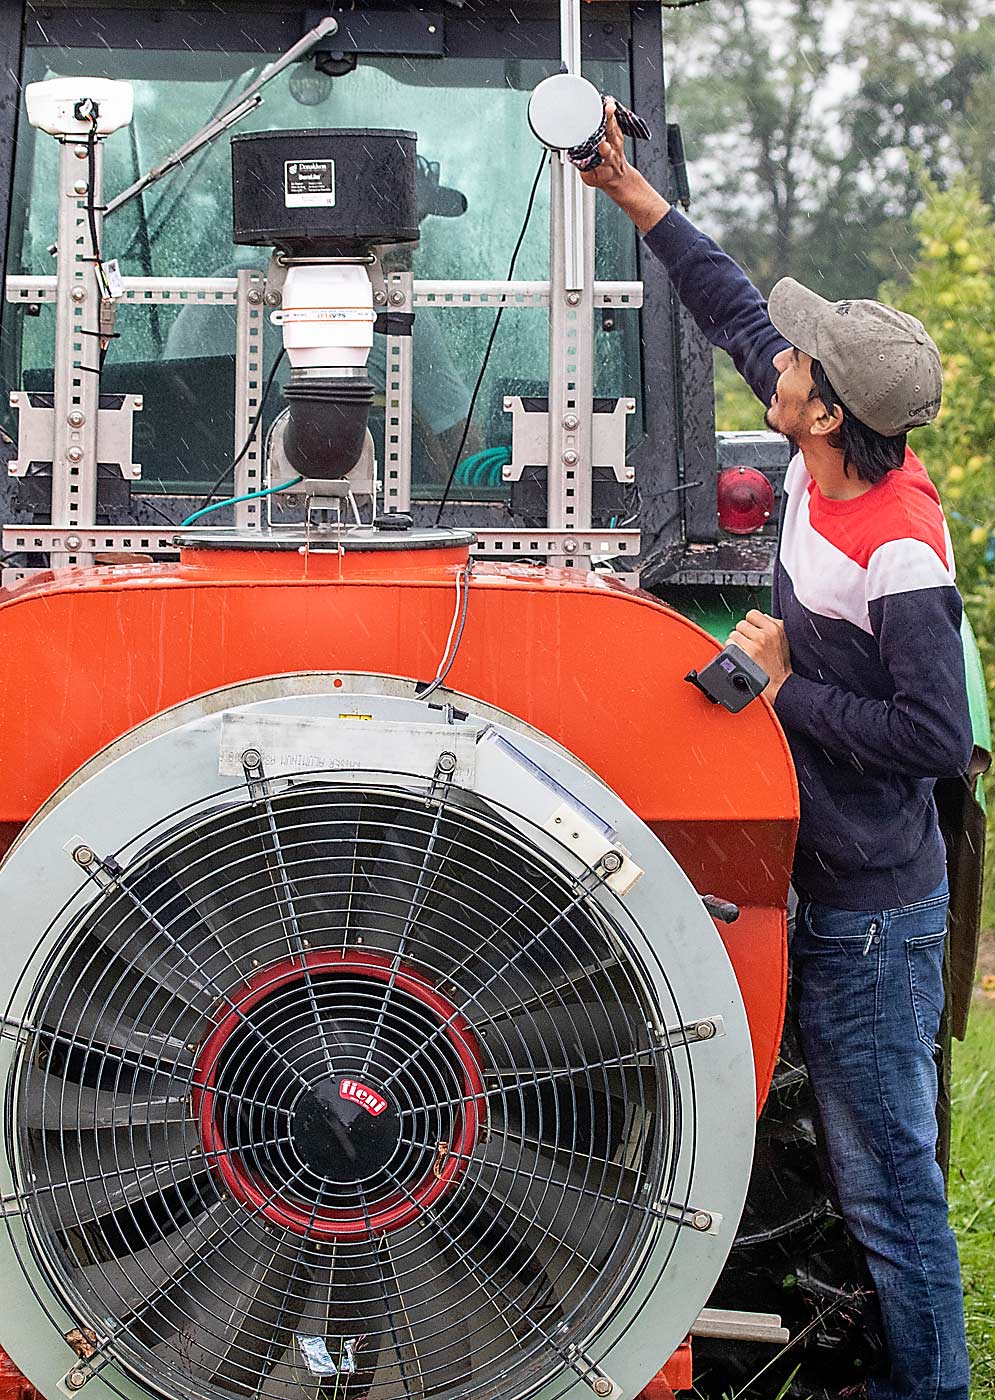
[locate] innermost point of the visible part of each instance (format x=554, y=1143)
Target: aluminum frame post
x=571, y=325
x=398, y=400
x=249, y=327
x=77, y=348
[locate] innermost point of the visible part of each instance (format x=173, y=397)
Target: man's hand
x=763, y=639
x=621, y=181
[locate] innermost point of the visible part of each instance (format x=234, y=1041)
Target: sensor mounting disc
x=565, y=111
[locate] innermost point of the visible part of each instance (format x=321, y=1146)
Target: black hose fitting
x=326, y=427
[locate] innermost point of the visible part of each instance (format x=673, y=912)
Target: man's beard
x=772, y=426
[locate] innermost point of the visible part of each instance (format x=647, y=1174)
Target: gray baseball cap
x=880, y=361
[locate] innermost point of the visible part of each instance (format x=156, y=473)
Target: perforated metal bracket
x=36, y=435
x=572, y=547
x=530, y=438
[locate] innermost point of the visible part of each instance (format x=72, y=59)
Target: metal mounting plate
x=36, y=435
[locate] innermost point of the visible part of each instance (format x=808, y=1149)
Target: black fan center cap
x=345, y=1128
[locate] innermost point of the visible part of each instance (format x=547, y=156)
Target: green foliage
x=737, y=408
x=808, y=139
x=952, y=290
x=972, y=1190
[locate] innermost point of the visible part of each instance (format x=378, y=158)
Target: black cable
x=252, y=432
x=91, y=214
x=490, y=341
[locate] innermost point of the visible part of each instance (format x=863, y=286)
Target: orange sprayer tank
x=585, y=660
x=435, y=999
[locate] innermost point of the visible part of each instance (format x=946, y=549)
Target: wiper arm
x=237, y=108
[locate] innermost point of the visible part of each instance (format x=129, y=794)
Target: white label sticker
x=299, y=743
x=308, y=184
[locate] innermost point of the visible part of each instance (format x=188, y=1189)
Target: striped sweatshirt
x=875, y=709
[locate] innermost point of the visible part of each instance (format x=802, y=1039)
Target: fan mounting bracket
x=79, y=1374
x=104, y=871
x=702, y=1028
x=703, y=1222
x=592, y=1375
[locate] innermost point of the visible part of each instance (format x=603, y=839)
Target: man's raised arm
x=716, y=291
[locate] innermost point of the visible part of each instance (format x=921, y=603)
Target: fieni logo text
x=363, y=1095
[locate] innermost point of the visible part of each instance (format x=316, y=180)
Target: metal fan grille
x=345, y=1090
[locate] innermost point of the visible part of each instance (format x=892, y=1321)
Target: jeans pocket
x=925, y=958
x=850, y=927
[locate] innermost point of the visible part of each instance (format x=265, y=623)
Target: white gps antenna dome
x=57, y=106
x=565, y=111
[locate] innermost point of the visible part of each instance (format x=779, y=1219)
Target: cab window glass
x=477, y=162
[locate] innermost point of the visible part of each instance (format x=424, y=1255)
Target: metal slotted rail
x=344, y=1089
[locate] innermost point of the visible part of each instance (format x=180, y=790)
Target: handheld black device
x=731, y=679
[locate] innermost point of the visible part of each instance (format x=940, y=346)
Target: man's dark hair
x=871, y=454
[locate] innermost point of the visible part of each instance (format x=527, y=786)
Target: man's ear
x=827, y=421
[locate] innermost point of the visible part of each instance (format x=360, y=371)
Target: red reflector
x=746, y=500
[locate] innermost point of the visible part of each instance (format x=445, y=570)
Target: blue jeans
x=869, y=993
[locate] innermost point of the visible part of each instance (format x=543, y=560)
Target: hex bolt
x=76, y=1379
x=83, y=855
x=602, y=1386
x=255, y=297
x=75, y=454
x=397, y=298
x=251, y=758
x=611, y=861
x=573, y=298
x=704, y=1030
x=73, y=541
x=76, y=419
x=571, y=421
x=272, y=298
x=569, y=458
x=447, y=762
x=78, y=294
x=80, y=187
x=569, y=546
x=380, y=298
x=701, y=1220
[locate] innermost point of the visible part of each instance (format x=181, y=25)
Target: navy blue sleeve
x=924, y=730
x=727, y=307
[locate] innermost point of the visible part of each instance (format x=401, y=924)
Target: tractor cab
x=461, y=360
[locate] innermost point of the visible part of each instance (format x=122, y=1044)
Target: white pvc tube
x=327, y=316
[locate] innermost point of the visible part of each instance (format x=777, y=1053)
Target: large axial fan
x=375, y=1054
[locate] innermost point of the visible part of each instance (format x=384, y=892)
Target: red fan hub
x=348, y=1135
